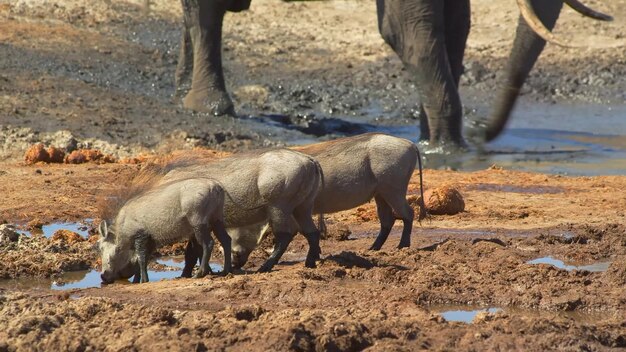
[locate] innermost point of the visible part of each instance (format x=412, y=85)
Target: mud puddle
x=169, y=268
x=600, y=266
x=564, y=139
x=81, y=228
x=467, y=313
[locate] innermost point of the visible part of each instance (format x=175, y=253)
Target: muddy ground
x=79, y=74
x=101, y=74
x=356, y=298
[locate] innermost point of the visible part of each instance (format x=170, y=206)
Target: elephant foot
x=445, y=146
x=213, y=101
x=181, y=91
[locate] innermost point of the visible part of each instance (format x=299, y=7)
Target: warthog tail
x=423, y=213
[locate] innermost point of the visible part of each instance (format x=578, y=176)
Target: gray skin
x=429, y=36
x=356, y=169
x=168, y=213
x=276, y=186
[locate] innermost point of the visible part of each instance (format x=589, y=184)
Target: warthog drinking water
x=277, y=186
x=356, y=169
x=160, y=215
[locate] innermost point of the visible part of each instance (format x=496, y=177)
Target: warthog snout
x=107, y=277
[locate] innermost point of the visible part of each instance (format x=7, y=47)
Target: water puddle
x=91, y=278
x=466, y=316
x=562, y=139
x=81, y=228
x=594, y=267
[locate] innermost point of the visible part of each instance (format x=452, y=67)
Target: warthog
x=161, y=215
x=276, y=186
x=357, y=169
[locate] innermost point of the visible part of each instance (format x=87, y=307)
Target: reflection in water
x=466, y=316
x=595, y=267
x=179, y=262
x=467, y=313
x=543, y=138
x=81, y=228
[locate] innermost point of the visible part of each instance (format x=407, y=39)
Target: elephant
x=429, y=37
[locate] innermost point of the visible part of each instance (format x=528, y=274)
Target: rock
x=88, y=155
x=444, y=200
x=36, y=153
x=67, y=236
x=56, y=155
x=35, y=224
x=8, y=233
x=75, y=157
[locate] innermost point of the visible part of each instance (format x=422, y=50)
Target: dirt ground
x=510, y=218
x=77, y=74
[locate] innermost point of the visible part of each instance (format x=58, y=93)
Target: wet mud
x=82, y=75
x=480, y=258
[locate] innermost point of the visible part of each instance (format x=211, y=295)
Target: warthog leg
x=302, y=215
x=313, y=238
x=137, y=276
x=203, y=236
x=282, y=242
x=192, y=253
x=386, y=218
x=225, y=241
x=280, y=220
x=141, y=247
x=401, y=209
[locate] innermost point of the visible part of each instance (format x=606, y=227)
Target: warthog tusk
x=535, y=23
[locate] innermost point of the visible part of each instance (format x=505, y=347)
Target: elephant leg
x=238, y=5
x=203, y=20
x=424, y=130
x=415, y=30
x=184, y=66
x=457, y=28
x=527, y=47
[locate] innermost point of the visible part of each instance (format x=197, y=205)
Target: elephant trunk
x=526, y=49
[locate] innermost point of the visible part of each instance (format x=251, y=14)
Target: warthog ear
x=103, y=230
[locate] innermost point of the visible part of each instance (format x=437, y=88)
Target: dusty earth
x=78, y=74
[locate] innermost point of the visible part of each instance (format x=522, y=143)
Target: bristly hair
x=149, y=176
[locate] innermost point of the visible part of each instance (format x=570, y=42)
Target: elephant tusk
x=527, y=11
x=585, y=11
